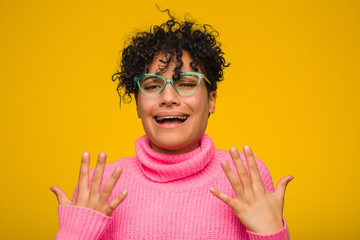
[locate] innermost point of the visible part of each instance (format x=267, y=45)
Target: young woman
x=170, y=193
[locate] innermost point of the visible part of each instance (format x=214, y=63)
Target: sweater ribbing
x=161, y=167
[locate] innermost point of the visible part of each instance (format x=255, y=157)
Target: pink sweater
x=168, y=198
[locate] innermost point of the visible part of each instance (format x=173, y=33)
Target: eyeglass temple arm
x=207, y=80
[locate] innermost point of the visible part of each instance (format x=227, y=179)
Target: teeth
x=171, y=117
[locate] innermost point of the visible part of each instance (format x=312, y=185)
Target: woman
x=173, y=72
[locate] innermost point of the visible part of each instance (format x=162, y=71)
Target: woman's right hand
x=91, y=197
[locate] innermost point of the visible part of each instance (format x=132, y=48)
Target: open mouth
x=171, y=119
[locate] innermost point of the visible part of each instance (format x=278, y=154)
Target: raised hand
x=91, y=197
x=259, y=210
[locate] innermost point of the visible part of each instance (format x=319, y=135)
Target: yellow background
x=291, y=93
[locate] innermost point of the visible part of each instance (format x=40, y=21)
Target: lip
x=170, y=114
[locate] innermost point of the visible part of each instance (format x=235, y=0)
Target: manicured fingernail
x=224, y=163
x=233, y=149
x=124, y=193
x=247, y=147
x=213, y=190
x=85, y=154
x=51, y=189
x=117, y=169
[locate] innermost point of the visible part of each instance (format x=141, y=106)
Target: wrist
x=268, y=227
x=281, y=234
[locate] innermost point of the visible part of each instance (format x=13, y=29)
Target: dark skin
x=91, y=197
x=259, y=210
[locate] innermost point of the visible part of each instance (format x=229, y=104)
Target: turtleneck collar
x=160, y=167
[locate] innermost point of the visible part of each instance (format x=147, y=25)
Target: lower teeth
x=171, y=121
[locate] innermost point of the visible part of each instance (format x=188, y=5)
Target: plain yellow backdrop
x=291, y=93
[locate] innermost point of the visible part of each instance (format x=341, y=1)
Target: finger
x=281, y=186
x=60, y=195
x=222, y=196
x=98, y=175
x=109, y=186
x=253, y=167
x=83, y=187
x=233, y=179
x=240, y=168
x=113, y=205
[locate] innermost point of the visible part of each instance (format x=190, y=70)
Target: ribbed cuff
x=80, y=223
x=283, y=234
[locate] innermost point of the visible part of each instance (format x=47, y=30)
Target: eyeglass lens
x=185, y=85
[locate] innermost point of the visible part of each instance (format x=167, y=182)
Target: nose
x=169, y=96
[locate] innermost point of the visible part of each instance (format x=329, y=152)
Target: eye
x=151, y=86
x=188, y=81
x=187, y=85
x=151, y=83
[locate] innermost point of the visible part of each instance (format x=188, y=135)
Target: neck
x=178, y=149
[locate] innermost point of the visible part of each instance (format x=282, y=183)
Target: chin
x=174, y=143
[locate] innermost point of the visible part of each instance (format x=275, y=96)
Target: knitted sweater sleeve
x=283, y=234
x=81, y=223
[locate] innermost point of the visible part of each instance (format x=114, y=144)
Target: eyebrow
x=159, y=72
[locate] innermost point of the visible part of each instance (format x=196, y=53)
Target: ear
x=212, y=101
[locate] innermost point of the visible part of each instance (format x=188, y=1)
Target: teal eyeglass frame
x=171, y=81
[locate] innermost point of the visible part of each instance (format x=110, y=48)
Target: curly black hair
x=171, y=39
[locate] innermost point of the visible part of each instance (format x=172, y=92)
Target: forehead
x=158, y=63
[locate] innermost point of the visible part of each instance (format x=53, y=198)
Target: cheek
x=200, y=104
x=142, y=108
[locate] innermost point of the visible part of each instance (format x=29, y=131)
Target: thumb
x=60, y=195
x=281, y=186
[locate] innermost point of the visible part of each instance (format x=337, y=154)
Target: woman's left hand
x=259, y=210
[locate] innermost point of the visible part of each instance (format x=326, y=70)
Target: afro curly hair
x=171, y=39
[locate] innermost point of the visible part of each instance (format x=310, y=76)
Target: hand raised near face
x=91, y=197
x=259, y=210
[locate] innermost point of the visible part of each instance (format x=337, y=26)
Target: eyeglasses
x=152, y=84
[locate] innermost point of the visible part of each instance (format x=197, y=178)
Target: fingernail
x=212, y=190
x=233, y=149
x=51, y=189
x=247, y=149
x=124, y=193
x=224, y=163
x=85, y=154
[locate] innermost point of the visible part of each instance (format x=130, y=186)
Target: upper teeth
x=171, y=117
